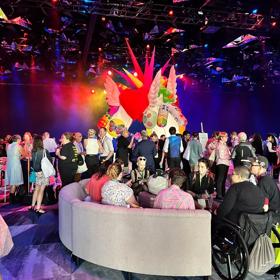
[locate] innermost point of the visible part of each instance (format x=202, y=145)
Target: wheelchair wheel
x=230, y=257
x=276, y=245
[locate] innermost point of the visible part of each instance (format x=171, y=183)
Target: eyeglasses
x=256, y=165
x=142, y=158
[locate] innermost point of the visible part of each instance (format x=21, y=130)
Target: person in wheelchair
x=242, y=197
x=265, y=182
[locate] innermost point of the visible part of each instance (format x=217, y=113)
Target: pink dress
x=6, y=242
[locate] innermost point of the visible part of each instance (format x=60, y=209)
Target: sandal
x=40, y=211
x=31, y=208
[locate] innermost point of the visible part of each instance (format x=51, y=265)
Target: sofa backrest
x=148, y=241
x=67, y=197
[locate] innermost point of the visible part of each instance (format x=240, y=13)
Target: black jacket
x=242, y=197
x=37, y=157
x=200, y=187
x=271, y=191
x=242, y=151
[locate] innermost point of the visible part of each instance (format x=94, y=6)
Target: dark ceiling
x=67, y=35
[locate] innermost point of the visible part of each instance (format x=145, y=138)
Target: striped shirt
x=174, y=198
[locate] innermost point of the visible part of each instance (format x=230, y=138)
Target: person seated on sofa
x=173, y=197
x=116, y=193
x=97, y=181
x=140, y=176
x=203, y=183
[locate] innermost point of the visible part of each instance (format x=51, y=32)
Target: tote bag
x=46, y=166
x=82, y=168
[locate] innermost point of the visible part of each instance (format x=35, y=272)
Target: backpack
x=256, y=228
x=262, y=256
x=242, y=153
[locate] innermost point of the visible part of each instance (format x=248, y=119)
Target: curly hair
x=114, y=170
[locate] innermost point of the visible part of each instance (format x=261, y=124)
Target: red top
x=95, y=185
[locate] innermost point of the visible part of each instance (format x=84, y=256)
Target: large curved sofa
x=148, y=241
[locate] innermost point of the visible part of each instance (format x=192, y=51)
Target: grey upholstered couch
x=148, y=241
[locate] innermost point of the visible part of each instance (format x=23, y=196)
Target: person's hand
x=129, y=183
x=204, y=196
x=57, y=152
x=63, y=157
x=161, y=164
x=214, y=194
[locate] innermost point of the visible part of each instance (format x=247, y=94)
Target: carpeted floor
x=38, y=253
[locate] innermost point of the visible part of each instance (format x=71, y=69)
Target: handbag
x=82, y=168
x=81, y=160
x=46, y=166
x=32, y=176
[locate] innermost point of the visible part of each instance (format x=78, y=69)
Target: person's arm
x=135, y=152
x=131, y=142
x=132, y=175
x=200, y=151
x=57, y=152
x=269, y=147
x=100, y=147
x=48, y=155
x=85, y=143
x=228, y=203
x=157, y=203
x=154, y=150
x=233, y=155
x=111, y=149
x=133, y=202
x=253, y=151
x=181, y=147
x=211, y=185
x=164, y=151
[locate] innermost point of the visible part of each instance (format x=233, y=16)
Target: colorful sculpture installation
x=152, y=102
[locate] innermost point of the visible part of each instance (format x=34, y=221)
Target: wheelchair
x=231, y=245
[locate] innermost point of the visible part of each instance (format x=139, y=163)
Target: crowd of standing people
x=120, y=169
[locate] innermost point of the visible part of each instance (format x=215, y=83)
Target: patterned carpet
x=38, y=253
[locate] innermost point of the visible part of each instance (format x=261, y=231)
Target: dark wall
x=58, y=108
x=232, y=109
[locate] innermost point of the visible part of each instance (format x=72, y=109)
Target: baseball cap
x=262, y=161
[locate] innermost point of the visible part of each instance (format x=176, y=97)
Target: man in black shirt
x=242, y=197
x=266, y=183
